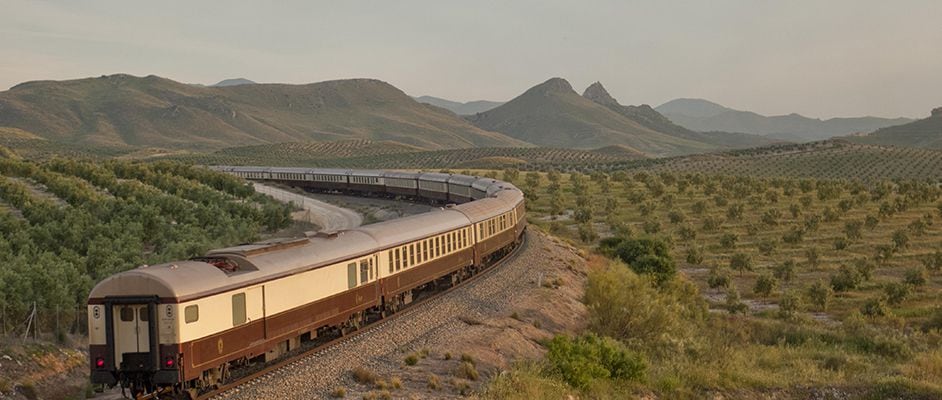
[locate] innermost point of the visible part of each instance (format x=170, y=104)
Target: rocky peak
x=554, y=85
x=597, y=93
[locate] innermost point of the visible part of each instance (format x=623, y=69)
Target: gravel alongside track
x=327, y=216
x=478, y=309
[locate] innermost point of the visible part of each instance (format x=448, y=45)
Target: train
x=182, y=327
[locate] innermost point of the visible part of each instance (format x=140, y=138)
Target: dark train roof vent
x=327, y=234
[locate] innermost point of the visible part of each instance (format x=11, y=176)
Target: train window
x=438, y=246
x=372, y=269
x=142, y=314
x=127, y=314
x=238, y=309
x=191, y=313
x=398, y=260
x=390, y=261
x=351, y=275
x=425, y=250
x=364, y=271
x=411, y=255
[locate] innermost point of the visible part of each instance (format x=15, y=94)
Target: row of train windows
x=364, y=179
x=424, y=250
x=367, y=272
x=494, y=225
x=330, y=178
x=290, y=176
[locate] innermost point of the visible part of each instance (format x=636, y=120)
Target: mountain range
x=128, y=112
x=468, y=108
x=553, y=114
x=702, y=115
x=158, y=112
x=924, y=133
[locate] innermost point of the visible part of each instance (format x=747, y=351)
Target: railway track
x=318, y=348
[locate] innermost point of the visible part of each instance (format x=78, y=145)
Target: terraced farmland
x=833, y=159
x=68, y=224
x=367, y=154
x=811, y=283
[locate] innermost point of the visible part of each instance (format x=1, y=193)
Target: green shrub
x=467, y=370
x=728, y=240
x=644, y=256
x=916, y=276
x=694, y=255
x=789, y=305
x=631, y=308
x=819, y=295
x=845, y=279
x=718, y=278
x=765, y=285
x=874, y=308
x=741, y=262
x=586, y=358
x=896, y=292
x=411, y=359
x=767, y=246
x=364, y=376
x=785, y=271
x=734, y=302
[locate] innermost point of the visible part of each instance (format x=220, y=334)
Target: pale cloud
x=832, y=58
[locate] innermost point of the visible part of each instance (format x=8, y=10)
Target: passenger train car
x=182, y=326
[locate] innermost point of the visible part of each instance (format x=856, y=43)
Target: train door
x=131, y=330
x=255, y=303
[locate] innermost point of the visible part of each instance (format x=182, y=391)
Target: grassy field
x=811, y=284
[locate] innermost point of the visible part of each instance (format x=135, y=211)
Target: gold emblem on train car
x=219, y=345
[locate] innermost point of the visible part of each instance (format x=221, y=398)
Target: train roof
x=366, y=172
x=401, y=230
x=253, y=263
x=463, y=180
x=434, y=176
x=400, y=174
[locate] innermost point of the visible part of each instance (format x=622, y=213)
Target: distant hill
x=233, y=82
x=650, y=118
x=469, y=108
x=552, y=114
x=923, y=133
x=702, y=115
x=121, y=110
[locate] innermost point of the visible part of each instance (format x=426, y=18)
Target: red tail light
x=100, y=362
x=169, y=362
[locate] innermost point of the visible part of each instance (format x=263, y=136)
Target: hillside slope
x=703, y=115
x=467, y=108
x=158, y=112
x=552, y=114
x=650, y=118
x=923, y=133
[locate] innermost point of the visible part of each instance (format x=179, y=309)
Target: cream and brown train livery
x=183, y=325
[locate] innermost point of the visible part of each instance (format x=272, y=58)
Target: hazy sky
x=820, y=58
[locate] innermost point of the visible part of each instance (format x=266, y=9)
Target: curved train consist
x=183, y=326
